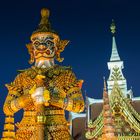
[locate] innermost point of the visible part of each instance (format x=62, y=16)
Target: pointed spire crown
x=44, y=25
x=114, y=55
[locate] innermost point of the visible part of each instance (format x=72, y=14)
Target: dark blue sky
x=86, y=25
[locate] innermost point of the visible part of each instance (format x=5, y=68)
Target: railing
x=92, y=124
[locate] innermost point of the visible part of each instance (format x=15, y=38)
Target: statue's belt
x=54, y=112
x=46, y=112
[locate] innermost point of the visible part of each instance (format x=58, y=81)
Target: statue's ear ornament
x=30, y=51
x=61, y=46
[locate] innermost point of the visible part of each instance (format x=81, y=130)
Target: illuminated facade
x=43, y=91
x=116, y=116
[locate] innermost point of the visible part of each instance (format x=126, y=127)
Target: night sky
x=86, y=24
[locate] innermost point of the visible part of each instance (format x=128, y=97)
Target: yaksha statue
x=43, y=91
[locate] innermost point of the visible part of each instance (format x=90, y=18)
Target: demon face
x=45, y=46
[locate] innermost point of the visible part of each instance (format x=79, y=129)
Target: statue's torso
x=56, y=126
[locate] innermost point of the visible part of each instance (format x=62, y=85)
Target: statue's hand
x=46, y=95
x=40, y=95
x=37, y=95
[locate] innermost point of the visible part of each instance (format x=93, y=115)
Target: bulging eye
x=36, y=43
x=49, y=43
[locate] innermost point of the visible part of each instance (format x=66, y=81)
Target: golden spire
x=113, y=27
x=108, y=131
x=104, y=84
x=45, y=13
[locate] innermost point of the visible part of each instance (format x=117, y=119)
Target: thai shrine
x=116, y=116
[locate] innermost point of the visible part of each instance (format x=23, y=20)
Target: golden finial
x=45, y=12
x=113, y=27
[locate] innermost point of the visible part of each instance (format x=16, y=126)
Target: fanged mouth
x=43, y=55
x=48, y=52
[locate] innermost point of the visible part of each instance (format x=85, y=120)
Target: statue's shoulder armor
x=57, y=70
x=16, y=85
x=64, y=68
x=28, y=72
x=25, y=70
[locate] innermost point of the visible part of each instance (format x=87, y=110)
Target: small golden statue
x=43, y=91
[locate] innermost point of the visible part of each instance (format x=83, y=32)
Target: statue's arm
x=15, y=99
x=69, y=97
